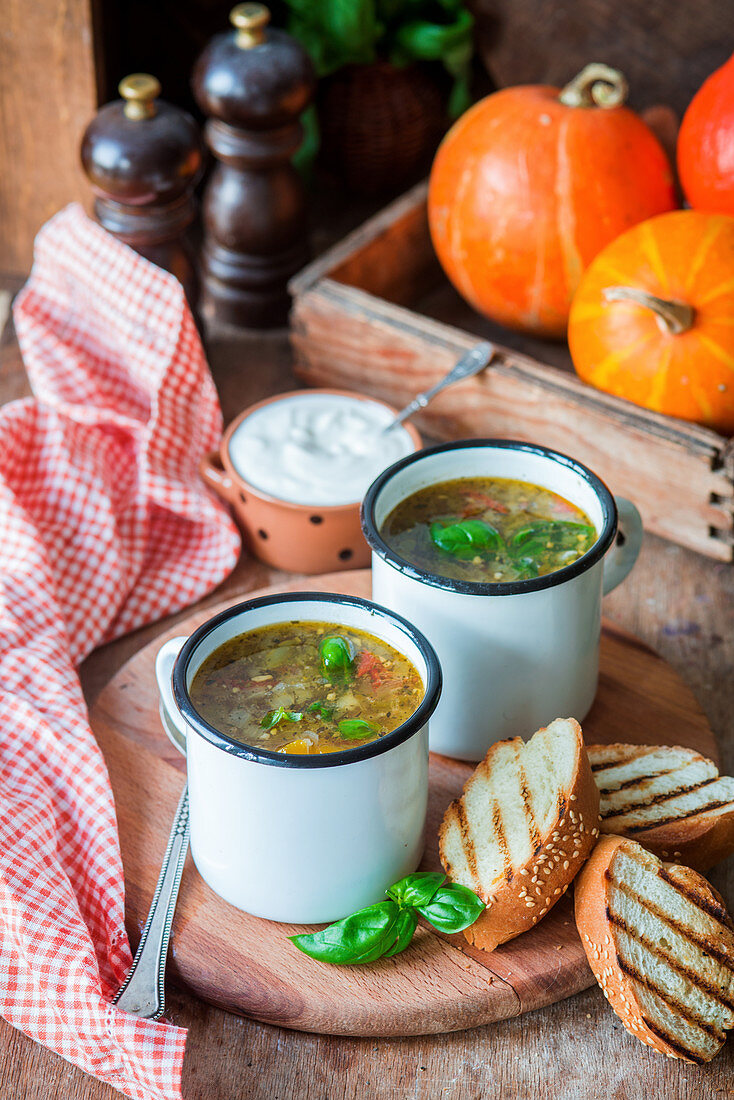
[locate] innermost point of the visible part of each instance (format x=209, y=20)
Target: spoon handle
x=142, y=992
x=474, y=361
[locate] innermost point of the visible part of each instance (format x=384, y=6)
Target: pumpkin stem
x=672, y=316
x=595, y=86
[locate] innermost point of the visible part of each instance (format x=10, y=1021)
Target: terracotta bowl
x=298, y=538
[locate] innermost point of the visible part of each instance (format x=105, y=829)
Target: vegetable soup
x=306, y=688
x=488, y=530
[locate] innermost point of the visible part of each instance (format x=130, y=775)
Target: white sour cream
x=316, y=449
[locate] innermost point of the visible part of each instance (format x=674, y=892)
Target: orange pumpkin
x=653, y=318
x=706, y=144
x=531, y=183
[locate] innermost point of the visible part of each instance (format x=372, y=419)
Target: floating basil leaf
x=452, y=908
x=526, y=568
x=465, y=539
x=356, y=729
x=536, y=539
x=274, y=717
x=416, y=889
x=336, y=657
x=363, y=937
x=405, y=926
x=323, y=709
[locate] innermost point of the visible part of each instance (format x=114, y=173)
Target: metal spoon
x=474, y=361
x=142, y=992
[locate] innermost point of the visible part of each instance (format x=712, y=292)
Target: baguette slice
x=661, y=945
x=525, y=822
x=671, y=800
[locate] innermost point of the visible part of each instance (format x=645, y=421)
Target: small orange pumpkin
x=653, y=318
x=531, y=183
x=706, y=144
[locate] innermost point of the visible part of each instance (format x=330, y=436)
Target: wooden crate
x=371, y=315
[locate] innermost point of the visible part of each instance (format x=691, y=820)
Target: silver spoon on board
x=142, y=992
x=471, y=363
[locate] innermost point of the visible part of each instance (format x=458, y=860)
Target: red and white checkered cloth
x=104, y=525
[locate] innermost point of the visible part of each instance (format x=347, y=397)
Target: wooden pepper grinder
x=253, y=83
x=143, y=158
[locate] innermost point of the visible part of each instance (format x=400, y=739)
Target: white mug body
x=514, y=655
x=304, y=839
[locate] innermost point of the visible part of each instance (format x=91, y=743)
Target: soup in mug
x=488, y=530
x=306, y=688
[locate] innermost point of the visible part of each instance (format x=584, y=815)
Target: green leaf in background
x=452, y=908
x=416, y=889
x=361, y=938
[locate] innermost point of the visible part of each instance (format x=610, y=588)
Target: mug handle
x=627, y=546
x=216, y=477
x=173, y=723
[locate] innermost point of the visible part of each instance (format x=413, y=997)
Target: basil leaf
x=416, y=889
x=323, y=709
x=274, y=717
x=356, y=729
x=560, y=533
x=360, y=938
x=405, y=926
x=466, y=539
x=526, y=568
x=452, y=908
x=336, y=657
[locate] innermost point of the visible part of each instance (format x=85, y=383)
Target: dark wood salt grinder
x=143, y=158
x=253, y=83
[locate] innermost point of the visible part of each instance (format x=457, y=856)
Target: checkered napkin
x=104, y=526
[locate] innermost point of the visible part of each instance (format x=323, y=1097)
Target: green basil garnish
x=336, y=657
x=355, y=729
x=363, y=937
x=386, y=928
x=416, y=889
x=464, y=540
x=323, y=709
x=280, y=714
x=452, y=908
x=532, y=541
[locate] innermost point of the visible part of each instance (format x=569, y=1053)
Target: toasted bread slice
x=524, y=824
x=671, y=800
x=661, y=945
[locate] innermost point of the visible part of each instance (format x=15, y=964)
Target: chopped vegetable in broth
x=306, y=688
x=490, y=530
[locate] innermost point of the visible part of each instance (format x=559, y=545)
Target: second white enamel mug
x=518, y=654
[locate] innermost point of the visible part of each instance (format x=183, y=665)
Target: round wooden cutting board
x=439, y=983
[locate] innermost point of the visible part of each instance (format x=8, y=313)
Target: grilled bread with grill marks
x=661, y=945
x=671, y=800
x=525, y=822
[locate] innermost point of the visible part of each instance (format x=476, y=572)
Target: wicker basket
x=380, y=125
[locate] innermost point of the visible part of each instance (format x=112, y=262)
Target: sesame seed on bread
x=526, y=821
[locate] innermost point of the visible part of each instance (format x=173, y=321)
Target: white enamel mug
x=302, y=839
x=515, y=655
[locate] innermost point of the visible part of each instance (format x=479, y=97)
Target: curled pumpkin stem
x=596, y=86
x=672, y=316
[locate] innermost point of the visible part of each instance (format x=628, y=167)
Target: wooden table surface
x=678, y=602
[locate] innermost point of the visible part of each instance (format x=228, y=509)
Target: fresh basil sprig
x=280, y=714
x=336, y=658
x=465, y=539
x=386, y=928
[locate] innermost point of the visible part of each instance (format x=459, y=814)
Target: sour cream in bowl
x=295, y=468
